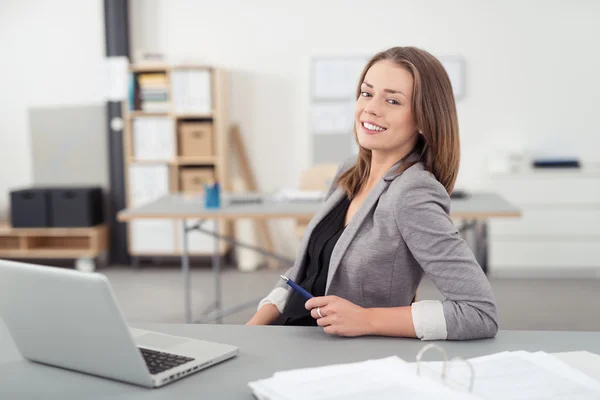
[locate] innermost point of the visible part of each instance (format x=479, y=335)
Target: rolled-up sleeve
x=469, y=309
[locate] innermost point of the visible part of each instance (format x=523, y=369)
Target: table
x=474, y=210
x=263, y=351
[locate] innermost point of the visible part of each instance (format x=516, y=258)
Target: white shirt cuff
x=429, y=321
x=278, y=296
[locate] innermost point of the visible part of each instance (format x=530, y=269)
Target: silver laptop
x=71, y=319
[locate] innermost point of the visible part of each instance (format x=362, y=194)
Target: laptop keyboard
x=158, y=362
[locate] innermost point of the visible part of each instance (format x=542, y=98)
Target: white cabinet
x=560, y=224
x=148, y=182
x=152, y=236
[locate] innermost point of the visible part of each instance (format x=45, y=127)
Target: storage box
x=196, y=139
x=30, y=208
x=194, y=179
x=76, y=206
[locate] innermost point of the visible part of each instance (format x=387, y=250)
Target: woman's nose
x=372, y=108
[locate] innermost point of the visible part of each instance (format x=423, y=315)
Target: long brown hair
x=434, y=111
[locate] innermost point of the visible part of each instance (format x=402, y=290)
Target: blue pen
x=297, y=287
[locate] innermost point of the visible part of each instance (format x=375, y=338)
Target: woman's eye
x=393, y=102
x=365, y=94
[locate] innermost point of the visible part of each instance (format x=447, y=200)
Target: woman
x=386, y=221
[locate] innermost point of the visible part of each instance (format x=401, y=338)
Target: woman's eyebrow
x=385, y=90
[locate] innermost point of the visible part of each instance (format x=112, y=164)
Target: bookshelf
x=175, y=138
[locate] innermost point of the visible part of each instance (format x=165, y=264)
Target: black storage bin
x=30, y=208
x=76, y=206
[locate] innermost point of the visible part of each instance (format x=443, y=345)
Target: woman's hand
x=340, y=316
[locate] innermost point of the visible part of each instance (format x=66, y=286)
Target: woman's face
x=383, y=115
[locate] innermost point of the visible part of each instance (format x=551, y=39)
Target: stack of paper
x=508, y=375
x=290, y=195
x=153, y=92
x=387, y=378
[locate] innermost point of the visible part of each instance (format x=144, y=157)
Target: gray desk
x=473, y=210
x=263, y=350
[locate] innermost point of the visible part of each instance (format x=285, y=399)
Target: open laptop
x=71, y=319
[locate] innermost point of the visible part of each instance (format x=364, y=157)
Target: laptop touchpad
x=158, y=341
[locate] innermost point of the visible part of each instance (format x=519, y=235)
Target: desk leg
x=185, y=268
x=216, y=266
x=480, y=235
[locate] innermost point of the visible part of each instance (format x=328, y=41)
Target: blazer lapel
x=352, y=228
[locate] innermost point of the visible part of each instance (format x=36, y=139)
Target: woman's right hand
x=265, y=315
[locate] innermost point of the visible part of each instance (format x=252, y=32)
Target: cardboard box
x=196, y=139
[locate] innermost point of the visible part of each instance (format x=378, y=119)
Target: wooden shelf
x=6, y=229
x=142, y=114
x=196, y=160
x=131, y=160
x=161, y=67
x=49, y=253
x=191, y=66
x=194, y=116
x=52, y=242
x=183, y=161
x=217, y=161
x=149, y=67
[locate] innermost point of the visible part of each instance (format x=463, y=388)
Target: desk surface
x=179, y=206
x=263, y=350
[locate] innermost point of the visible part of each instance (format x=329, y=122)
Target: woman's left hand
x=339, y=316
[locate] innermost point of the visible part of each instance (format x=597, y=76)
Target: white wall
x=532, y=67
x=52, y=54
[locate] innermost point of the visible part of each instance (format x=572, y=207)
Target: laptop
x=71, y=319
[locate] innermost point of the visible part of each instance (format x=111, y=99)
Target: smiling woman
x=385, y=222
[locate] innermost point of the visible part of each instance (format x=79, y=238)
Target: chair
x=317, y=177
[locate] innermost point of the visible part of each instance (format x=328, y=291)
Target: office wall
x=52, y=55
x=532, y=67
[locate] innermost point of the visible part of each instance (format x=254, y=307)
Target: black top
x=313, y=274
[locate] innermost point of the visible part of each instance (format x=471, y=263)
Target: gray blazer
x=401, y=231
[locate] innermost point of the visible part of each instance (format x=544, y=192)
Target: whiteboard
x=336, y=78
x=332, y=117
x=455, y=67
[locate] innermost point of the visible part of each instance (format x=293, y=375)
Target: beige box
x=194, y=179
x=196, y=139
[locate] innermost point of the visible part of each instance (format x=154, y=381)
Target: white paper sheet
x=385, y=379
x=519, y=375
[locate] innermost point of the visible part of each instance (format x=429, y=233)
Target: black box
x=76, y=206
x=30, y=208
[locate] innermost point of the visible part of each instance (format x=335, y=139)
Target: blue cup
x=212, y=196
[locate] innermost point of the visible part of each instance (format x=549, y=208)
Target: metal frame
x=215, y=311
